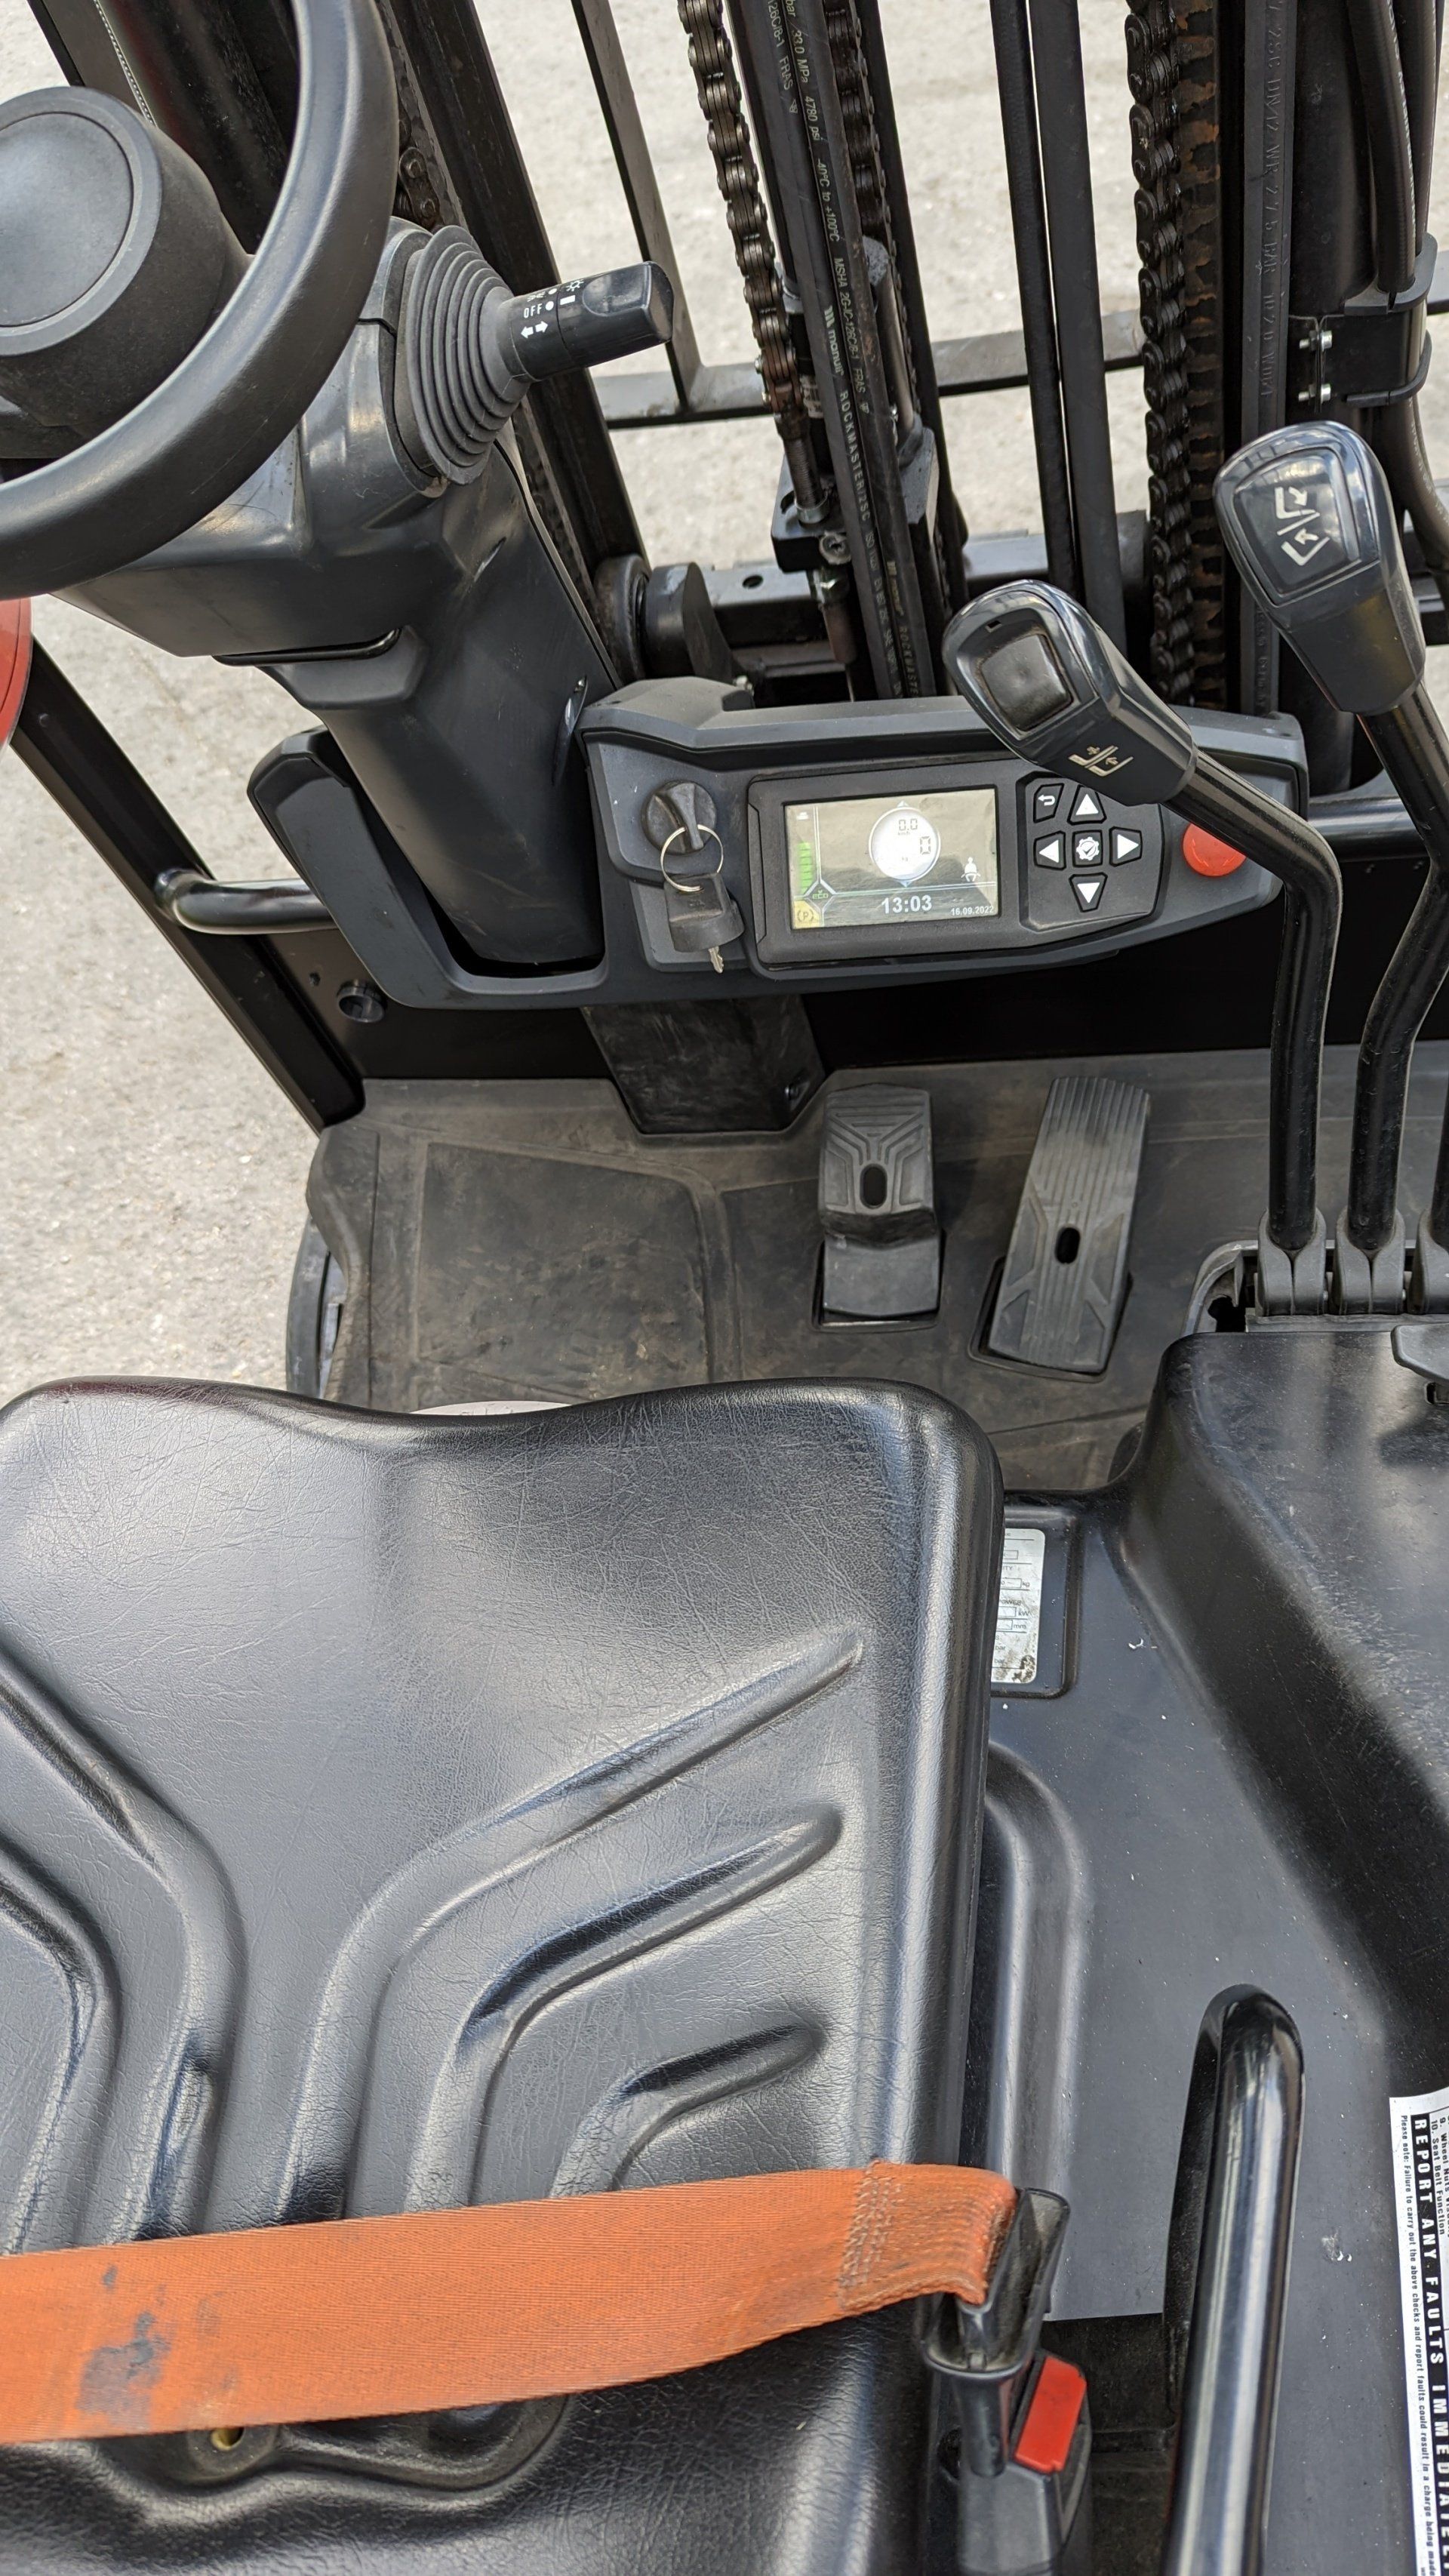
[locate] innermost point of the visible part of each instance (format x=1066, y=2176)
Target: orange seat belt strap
x=473, y=2307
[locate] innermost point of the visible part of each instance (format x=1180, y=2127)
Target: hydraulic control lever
x=1055, y=691
x=468, y=350
x=1308, y=519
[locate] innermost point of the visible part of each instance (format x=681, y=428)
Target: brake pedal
x=1065, y=1277
x=882, y=1260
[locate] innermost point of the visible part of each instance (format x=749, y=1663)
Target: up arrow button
x=1088, y=891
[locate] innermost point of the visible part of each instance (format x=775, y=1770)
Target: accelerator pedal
x=1065, y=1277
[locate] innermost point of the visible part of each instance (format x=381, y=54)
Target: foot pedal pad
x=1065, y=1276
x=882, y=1260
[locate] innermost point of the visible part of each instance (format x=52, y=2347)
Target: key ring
x=691, y=885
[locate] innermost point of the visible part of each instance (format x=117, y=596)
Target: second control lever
x=1308, y=519
x=1054, y=690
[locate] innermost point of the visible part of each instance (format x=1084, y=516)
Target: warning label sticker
x=1421, y=2195
x=1018, y=1609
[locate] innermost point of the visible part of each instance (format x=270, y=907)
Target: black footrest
x=1065, y=1276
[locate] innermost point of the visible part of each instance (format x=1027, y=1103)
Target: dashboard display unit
x=861, y=862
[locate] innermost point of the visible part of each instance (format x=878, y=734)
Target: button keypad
x=1088, y=859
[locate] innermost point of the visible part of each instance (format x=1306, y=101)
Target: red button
x=1045, y=2440
x=1207, y=856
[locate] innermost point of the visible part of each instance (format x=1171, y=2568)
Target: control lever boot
x=468, y=351
x=1055, y=690
x=1309, y=520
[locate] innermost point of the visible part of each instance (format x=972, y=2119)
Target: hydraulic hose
x=1418, y=32
x=1410, y=742
x=1386, y=114
x=1398, y=435
x=1313, y=898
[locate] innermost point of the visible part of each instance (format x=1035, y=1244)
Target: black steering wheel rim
x=246, y=384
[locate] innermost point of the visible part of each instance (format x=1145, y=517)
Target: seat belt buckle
x=1020, y=2415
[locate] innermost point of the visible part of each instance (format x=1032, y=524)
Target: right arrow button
x=1125, y=845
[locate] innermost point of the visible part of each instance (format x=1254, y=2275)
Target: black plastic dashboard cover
x=400, y=1812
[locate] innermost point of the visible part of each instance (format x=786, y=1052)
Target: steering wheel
x=247, y=382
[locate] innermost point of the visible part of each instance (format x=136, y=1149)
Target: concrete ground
x=151, y=1177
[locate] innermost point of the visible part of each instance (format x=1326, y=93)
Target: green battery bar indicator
x=805, y=870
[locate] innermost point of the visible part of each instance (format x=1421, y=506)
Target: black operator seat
x=402, y=1812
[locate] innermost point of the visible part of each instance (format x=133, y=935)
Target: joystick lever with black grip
x=1309, y=522
x=1057, y=692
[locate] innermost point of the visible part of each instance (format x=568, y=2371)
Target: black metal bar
x=1041, y=371
x=1270, y=32
x=1313, y=900
x=991, y=362
x=261, y=908
x=1365, y=823
x=923, y=355
x=1227, y=2281
x=457, y=85
x=615, y=89
x=1331, y=260
x=1056, y=43
x=69, y=752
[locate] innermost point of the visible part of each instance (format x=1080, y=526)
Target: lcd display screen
x=859, y=861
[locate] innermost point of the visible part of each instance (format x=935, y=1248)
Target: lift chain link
x=1153, y=68
x=867, y=174
x=847, y=57
x=1172, y=65
x=712, y=64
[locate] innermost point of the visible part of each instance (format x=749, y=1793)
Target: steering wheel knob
x=117, y=258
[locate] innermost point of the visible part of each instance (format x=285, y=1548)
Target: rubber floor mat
x=505, y=1240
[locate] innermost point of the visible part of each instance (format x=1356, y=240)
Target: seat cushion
x=399, y=1813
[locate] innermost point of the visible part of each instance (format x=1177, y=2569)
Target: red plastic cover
x=14, y=662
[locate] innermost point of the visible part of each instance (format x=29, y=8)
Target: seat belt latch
x=1020, y=2415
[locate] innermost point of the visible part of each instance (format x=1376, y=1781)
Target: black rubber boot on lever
x=1050, y=684
x=1309, y=521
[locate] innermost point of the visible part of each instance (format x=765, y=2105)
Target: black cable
x=1313, y=901
x=1410, y=743
x=1386, y=115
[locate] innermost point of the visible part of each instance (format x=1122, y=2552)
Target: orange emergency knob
x=1207, y=856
